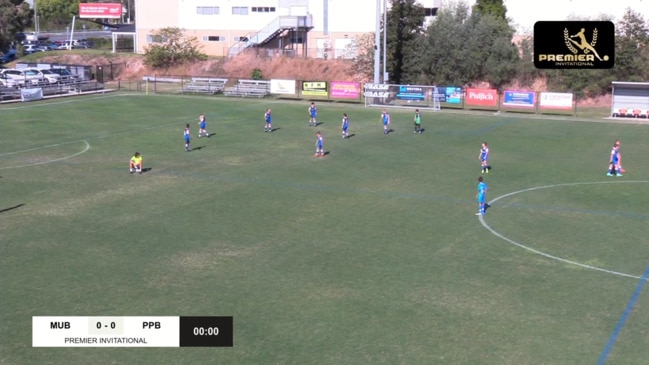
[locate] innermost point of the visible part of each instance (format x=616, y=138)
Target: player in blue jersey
x=268, y=118
x=319, y=145
x=615, y=160
x=345, y=126
x=385, y=119
x=187, y=136
x=417, y=121
x=202, y=126
x=484, y=157
x=312, y=115
x=481, y=196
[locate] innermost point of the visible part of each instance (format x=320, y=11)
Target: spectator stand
x=204, y=85
x=630, y=100
x=249, y=88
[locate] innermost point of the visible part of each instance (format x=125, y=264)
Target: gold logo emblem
x=582, y=43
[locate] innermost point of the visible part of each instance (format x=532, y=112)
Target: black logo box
x=550, y=39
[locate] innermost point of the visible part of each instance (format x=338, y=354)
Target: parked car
x=31, y=48
x=66, y=75
x=26, y=76
x=8, y=56
x=7, y=81
x=40, y=76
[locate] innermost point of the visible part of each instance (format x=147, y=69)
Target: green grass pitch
x=369, y=255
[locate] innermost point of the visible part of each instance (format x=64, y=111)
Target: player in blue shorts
x=268, y=118
x=312, y=115
x=481, y=195
x=187, y=136
x=385, y=119
x=202, y=125
x=345, y=125
x=484, y=157
x=615, y=161
x=319, y=145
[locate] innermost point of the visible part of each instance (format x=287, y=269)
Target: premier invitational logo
x=574, y=44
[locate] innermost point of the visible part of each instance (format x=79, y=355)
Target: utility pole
x=377, y=44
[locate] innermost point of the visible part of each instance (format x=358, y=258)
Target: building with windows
x=305, y=28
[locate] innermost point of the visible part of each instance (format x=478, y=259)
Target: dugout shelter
x=630, y=100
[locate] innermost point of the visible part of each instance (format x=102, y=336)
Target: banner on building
x=519, y=99
x=31, y=94
x=344, y=89
x=100, y=10
x=285, y=87
x=555, y=100
x=314, y=88
x=482, y=97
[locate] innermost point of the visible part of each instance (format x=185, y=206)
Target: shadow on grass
x=11, y=208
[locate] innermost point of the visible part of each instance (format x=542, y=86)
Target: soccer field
x=371, y=254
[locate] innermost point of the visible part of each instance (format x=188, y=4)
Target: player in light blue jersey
x=345, y=126
x=385, y=119
x=268, y=118
x=481, y=196
x=319, y=145
x=615, y=161
x=312, y=115
x=484, y=157
x=187, y=136
x=202, y=126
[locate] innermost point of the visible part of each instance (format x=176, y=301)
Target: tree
x=405, y=22
x=493, y=7
x=362, y=48
x=463, y=47
x=632, y=47
x=56, y=14
x=15, y=16
x=172, y=47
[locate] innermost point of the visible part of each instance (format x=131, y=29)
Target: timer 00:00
x=209, y=331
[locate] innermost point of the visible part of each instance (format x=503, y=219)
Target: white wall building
x=313, y=28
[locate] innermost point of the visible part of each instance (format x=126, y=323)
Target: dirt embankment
x=242, y=66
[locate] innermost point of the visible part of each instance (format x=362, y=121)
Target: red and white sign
x=555, y=100
x=483, y=97
x=100, y=10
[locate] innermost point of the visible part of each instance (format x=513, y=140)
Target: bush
x=171, y=47
x=257, y=74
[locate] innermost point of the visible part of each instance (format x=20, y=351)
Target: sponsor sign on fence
x=344, y=89
x=555, y=100
x=482, y=97
x=314, y=88
x=453, y=94
x=411, y=93
x=285, y=87
x=519, y=99
x=100, y=10
x=376, y=90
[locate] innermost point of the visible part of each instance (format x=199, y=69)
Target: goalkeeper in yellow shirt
x=136, y=163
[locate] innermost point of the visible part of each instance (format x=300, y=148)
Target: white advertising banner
x=555, y=100
x=31, y=94
x=286, y=87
